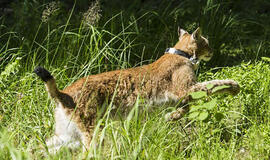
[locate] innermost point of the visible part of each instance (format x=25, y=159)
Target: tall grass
x=27, y=120
x=126, y=39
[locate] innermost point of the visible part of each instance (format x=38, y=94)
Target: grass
x=26, y=111
x=27, y=120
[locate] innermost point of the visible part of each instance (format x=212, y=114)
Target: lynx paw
x=175, y=115
x=233, y=89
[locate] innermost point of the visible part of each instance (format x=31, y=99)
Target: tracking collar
x=194, y=60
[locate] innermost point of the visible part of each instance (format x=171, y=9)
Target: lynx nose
x=210, y=53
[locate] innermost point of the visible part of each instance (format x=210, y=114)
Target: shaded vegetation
x=77, y=39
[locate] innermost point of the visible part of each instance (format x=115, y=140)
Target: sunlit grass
x=26, y=111
x=27, y=120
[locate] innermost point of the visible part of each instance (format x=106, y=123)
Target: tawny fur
x=170, y=78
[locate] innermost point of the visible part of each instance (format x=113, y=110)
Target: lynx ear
x=181, y=32
x=196, y=34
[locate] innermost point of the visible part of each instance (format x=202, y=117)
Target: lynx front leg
x=210, y=87
x=177, y=114
x=232, y=87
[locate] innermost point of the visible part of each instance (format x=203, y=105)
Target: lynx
x=169, y=79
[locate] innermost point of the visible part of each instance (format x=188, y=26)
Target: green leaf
x=210, y=105
x=220, y=88
x=198, y=95
x=203, y=115
x=237, y=131
x=219, y=116
x=209, y=86
x=215, y=130
x=266, y=59
x=193, y=108
x=193, y=115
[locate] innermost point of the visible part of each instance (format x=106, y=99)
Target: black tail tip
x=43, y=73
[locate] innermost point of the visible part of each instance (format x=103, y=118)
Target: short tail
x=43, y=74
x=49, y=81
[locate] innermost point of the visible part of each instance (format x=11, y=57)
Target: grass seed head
x=92, y=15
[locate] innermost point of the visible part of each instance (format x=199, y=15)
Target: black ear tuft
x=196, y=34
x=181, y=32
x=43, y=73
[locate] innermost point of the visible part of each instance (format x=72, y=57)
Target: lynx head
x=194, y=44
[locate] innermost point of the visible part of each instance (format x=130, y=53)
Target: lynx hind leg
x=67, y=133
x=56, y=142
